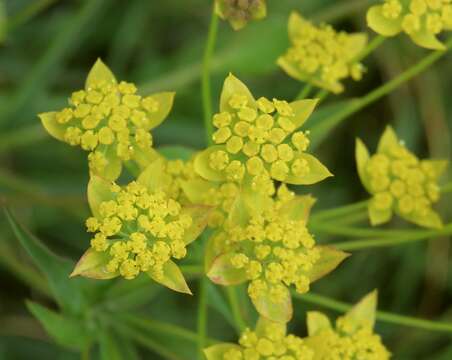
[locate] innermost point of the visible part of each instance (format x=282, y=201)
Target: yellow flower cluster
x=322, y=56
x=274, y=251
x=257, y=142
x=349, y=342
x=272, y=344
x=139, y=230
x=108, y=115
x=399, y=180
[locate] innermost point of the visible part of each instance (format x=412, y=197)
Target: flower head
x=272, y=249
x=399, y=182
x=258, y=141
x=321, y=56
x=138, y=228
x=351, y=338
x=421, y=20
x=110, y=121
x=240, y=12
x=268, y=341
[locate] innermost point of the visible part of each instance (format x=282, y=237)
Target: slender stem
x=240, y=324
x=371, y=47
x=206, y=90
x=359, y=104
x=304, y=93
x=382, y=316
x=202, y=317
x=391, y=241
x=321, y=95
x=339, y=211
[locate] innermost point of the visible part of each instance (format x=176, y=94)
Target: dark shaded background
x=158, y=45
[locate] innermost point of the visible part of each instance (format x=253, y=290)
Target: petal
x=381, y=25
x=330, y=258
x=196, y=189
x=200, y=217
x=263, y=324
x=154, y=177
x=114, y=164
x=431, y=220
x=144, y=157
x=165, y=101
x=295, y=23
x=233, y=86
x=317, y=172
x=99, y=190
x=93, y=265
x=280, y=312
x=317, y=322
x=53, y=127
x=356, y=43
x=299, y=208
x=388, y=140
x=378, y=217
x=202, y=165
x=291, y=69
x=303, y=110
x=362, y=157
x=99, y=73
x=427, y=40
x=223, y=273
x=364, y=312
x=216, y=352
x=172, y=278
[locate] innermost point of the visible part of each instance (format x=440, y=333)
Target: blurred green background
x=46, y=51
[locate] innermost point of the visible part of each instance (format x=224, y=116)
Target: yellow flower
x=139, y=228
x=351, y=338
x=266, y=243
x=258, y=142
x=399, y=182
x=240, y=12
x=109, y=120
x=421, y=20
x=321, y=56
x=268, y=341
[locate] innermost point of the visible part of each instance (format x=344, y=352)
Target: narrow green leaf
x=66, y=331
x=330, y=258
x=113, y=347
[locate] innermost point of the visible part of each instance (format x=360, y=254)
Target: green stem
x=339, y=211
x=85, y=354
x=358, y=104
x=206, y=89
x=202, y=317
x=371, y=47
x=240, y=324
x=395, y=240
x=446, y=188
x=382, y=316
x=304, y=93
x=321, y=95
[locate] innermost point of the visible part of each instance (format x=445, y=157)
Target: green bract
x=240, y=12
x=399, y=182
x=421, y=20
x=111, y=121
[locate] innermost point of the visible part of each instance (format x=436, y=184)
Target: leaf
x=223, y=273
x=93, y=264
x=233, y=86
x=427, y=40
x=154, y=177
x=380, y=24
x=99, y=73
x=200, y=216
x=52, y=126
x=144, y=157
x=218, y=302
x=388, y=140
x=202, y=165
x=216, y=352
x=196, y=189
x=172, y=278
x=165, y=101
x=430, y=220
x=377, y=216
x=362, y=157
x=176, y=152
x=299, y=208
x=317, y=172
x=99, y=190
x=303, y=110
x=280, y=312
x=292, y=70
x=239, y=213
x=364, y=312
x=113, y=347
x=113, y=167
x=67, y=293
x=66, y=331
x=330, y=258
x=317, y=322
